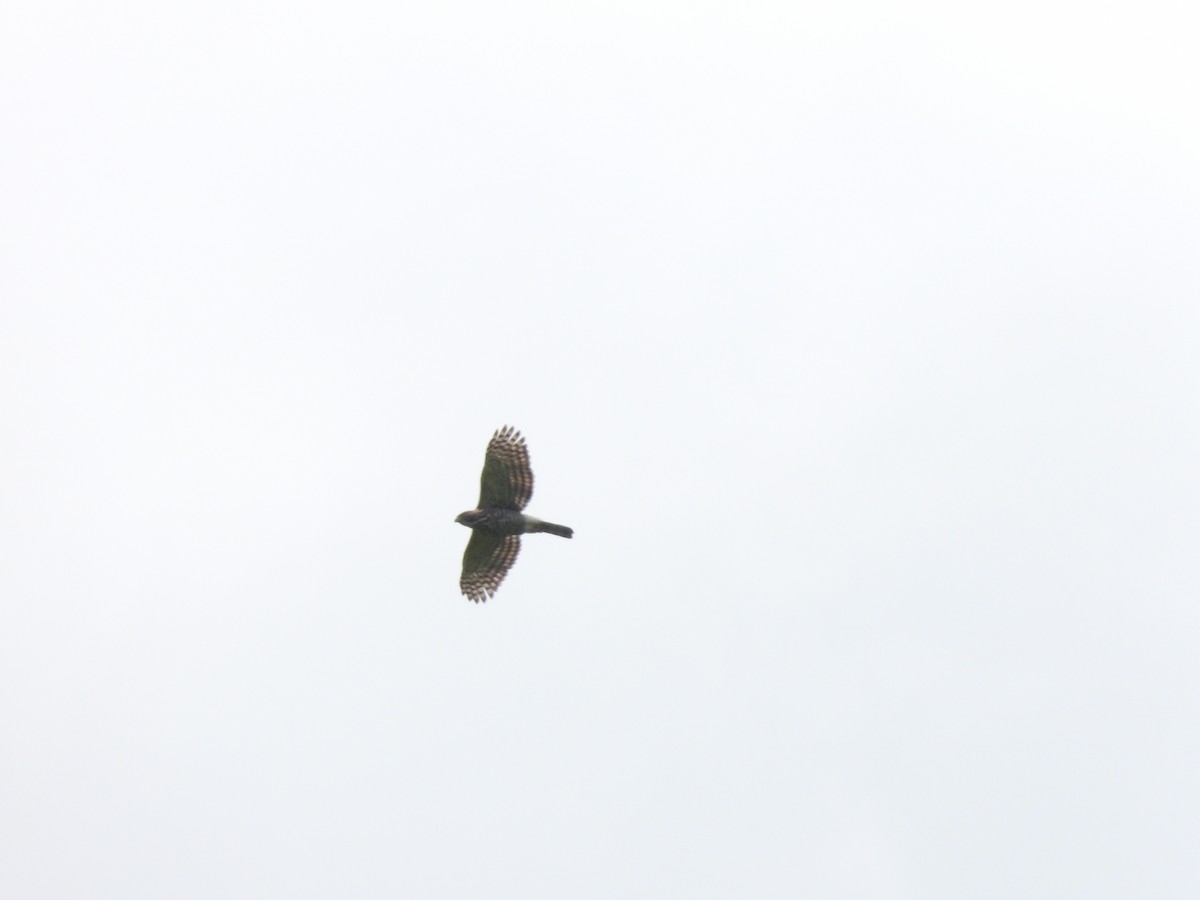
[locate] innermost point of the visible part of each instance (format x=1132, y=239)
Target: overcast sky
x=858, y=344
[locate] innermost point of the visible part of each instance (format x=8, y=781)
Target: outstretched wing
x=487, y=560
x=507, y=480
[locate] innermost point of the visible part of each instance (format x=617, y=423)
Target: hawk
x=497, y=523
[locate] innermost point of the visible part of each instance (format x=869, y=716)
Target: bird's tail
x=551, y=528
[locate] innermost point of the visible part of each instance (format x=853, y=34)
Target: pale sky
x=858, y=345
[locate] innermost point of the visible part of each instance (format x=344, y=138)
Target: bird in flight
x=498, y=523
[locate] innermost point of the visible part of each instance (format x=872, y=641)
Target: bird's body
x=496, y=524
x=509, y=521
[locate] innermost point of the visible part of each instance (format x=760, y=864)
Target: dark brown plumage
x=496, y=523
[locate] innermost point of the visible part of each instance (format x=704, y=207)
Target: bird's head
x=470, y=518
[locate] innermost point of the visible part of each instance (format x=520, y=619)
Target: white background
x=857, y=343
